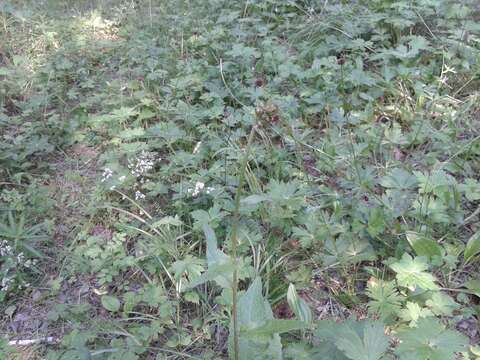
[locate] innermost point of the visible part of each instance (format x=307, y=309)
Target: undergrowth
x=270, y=179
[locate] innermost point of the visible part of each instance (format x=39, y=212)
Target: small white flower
x=122, y=178
x=198, y=187
x=112, y=187
x=142, y=164
x=107, y=174
x=139, y=195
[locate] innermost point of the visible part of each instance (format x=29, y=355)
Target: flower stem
x=236, y=219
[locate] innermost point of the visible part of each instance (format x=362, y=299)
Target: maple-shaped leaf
x=430, y=340
x=411, y=273
x=442, y=304
x=385, y=299
x=413, y=312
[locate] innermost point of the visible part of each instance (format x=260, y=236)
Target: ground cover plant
x=211, y=179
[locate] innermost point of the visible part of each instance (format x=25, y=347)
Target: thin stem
x=236, y=219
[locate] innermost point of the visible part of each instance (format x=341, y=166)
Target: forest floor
x=123, y=126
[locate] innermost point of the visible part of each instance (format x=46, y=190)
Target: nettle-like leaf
x=429, y=341
x=357, y=340
x=385, y=299
x=411, y=273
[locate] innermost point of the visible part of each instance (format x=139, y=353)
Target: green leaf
x=254, y=312
x=441, y=304
x=253, y=199
x=473, y=247
x=275, y=326
x=473, y=286
x=399, y=179
x=358, y=340
x=298, y=305
x=430, y=341
x=385, y=298
x=413, y=312
x=423, y=246
x=111, y=303
x=411, y=273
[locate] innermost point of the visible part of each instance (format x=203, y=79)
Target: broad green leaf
x=254, y=312
x=399, y=179
x=358, y=340
x=298, y=305
x=111, y=303
x=442, y=304
x=473, y=247
x=253, y=199
x=413, y=312
x=385, y=298
x=411, y=273
x=423, y=246
x=473, y=286
x=272, y=327
x=168, y=220
x=431, y=341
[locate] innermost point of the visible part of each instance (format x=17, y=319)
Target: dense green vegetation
x=208, y=179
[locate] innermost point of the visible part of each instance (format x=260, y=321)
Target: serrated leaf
x=430, y=341
x=298, y=305
x=399, y=179
x=422, y=245
x=385, y=298
x=411, y=273
x=473, y=247
x=358, y=340
x=111, y=303
x=441, y=304
x=253, y=200
x=413, y=312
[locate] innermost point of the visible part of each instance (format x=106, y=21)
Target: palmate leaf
x=442, y=304
x=411, y=273
x=385, y=299
x=430, y=341
x=357, y=340
x=399, y=179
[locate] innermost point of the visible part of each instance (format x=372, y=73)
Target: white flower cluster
x=107, y=174
x=139, y=167
x=139, y=195
x=142, y=164
x=7, y=281
x=5, y=248
x=15, y=263
x=199, y=187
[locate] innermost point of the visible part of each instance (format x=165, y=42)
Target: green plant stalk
x=236, y=219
